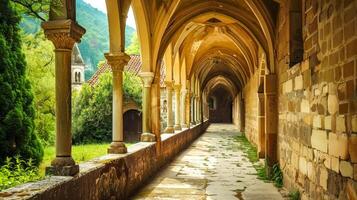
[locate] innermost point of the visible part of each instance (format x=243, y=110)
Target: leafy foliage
x=294, y=195
x=34, y=8
x=17, y=136
x=132, y=88
x=16, y=171
x=277, y=176
x=134, y=47
x=92, y=110
x=41, y=73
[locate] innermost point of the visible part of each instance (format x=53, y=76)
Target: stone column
x=193, y=108
x=177, y=107
x=197, y=110
x=117, y=61
x=261, y=125
x=63, y=34
x=188, y=109
x=170, y=123
x=147, y=135
x=271, y=122
x=183, y=108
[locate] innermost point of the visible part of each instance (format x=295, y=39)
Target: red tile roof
x=134, y=66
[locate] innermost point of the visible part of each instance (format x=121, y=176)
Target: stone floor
x=210, y=169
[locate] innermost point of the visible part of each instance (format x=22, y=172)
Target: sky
x=100, y=5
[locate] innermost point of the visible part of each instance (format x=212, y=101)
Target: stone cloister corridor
x=206, y=170
x=288, y=69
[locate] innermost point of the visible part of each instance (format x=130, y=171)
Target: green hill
x=96, y=40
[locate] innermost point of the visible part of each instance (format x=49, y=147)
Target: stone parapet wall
x=110, y=176
x=318, y=102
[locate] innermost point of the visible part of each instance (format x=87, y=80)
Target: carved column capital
x=177, y=87
x=147, y=78
x=117, y=61
x=169, y=85
x=63, y=33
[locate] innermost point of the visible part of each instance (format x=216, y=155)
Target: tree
x=41, y=73
x=134, y=47
x=35, y=8
x=17, y=136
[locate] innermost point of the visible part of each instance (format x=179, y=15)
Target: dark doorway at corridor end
x=220, y=106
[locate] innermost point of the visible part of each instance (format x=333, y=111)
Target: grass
x=251, y=153
x=80, y=153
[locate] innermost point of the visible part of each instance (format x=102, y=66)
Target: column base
x=193, y=123
x=169, y=129
x=178, y=127
x=117, y=148
x=62, y=166
x=148, y=137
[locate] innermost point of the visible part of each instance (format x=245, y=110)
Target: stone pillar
x=177, y=107
x=188, y=109
x=170, y=123
x=147, y=135
x=155, y=125
x=63, y=34
x=197, y=109
x=271, y=122
x=117, y=61
x=183, y=108
x=193, y=108
x=261, y=125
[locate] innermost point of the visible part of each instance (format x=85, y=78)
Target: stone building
x=77, y=68
x=287, y=68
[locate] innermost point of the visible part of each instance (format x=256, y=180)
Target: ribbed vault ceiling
x=220, y=40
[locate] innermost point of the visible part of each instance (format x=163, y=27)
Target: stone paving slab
x=210, y=169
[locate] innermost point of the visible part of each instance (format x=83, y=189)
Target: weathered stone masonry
x=318, y=102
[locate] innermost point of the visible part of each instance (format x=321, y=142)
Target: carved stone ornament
x=117, y=61
x=169, y=85
x=177, y=87
x=63, y=33
x=147, y=78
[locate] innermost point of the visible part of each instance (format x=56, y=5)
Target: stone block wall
x=110, y=176
x=318, y=101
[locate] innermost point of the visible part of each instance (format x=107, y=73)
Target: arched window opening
x=79, y=77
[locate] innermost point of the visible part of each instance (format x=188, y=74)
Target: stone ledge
x=113, y=176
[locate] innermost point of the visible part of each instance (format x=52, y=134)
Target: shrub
x=16, y=171
x=92, y=108
x=17, y=136
x=277, y=176
x=294, y=195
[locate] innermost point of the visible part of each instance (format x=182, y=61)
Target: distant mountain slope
x=96, y=40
